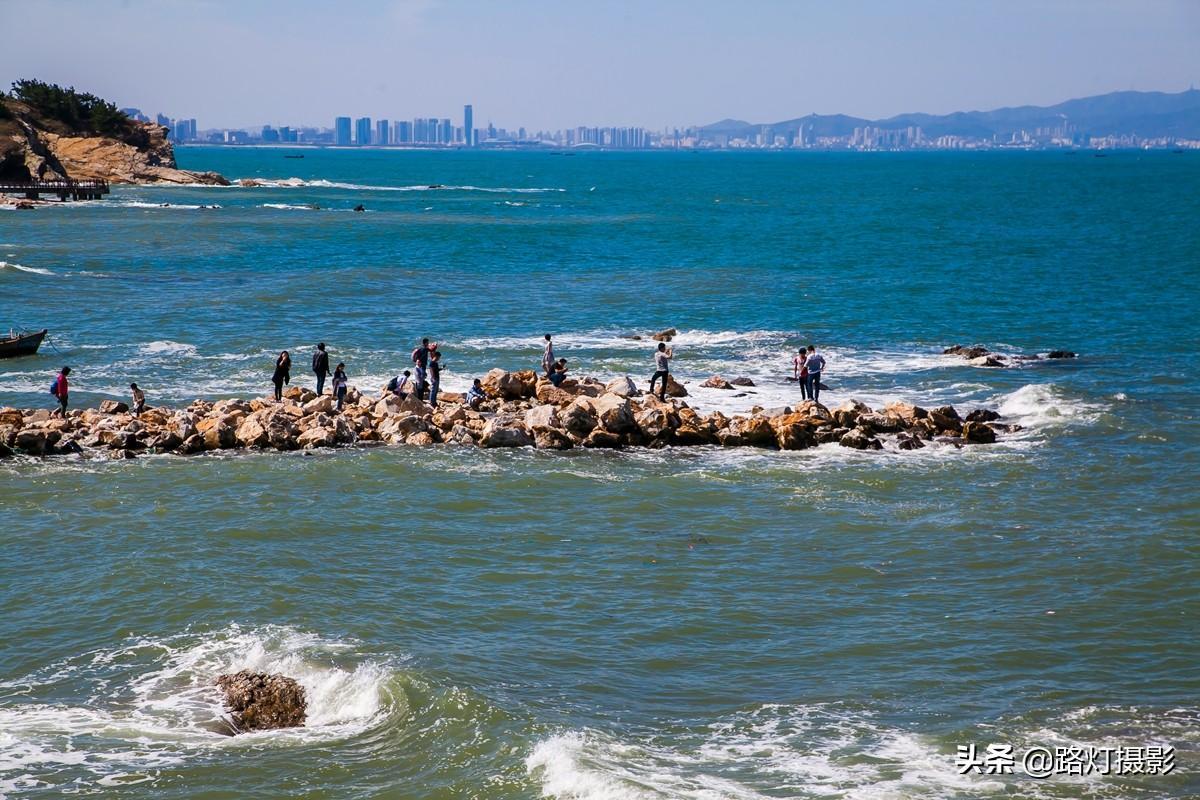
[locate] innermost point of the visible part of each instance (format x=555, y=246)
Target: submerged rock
x=258, y=701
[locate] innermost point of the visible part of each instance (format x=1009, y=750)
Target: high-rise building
x=341, y=131
x=404, y=132
x=382, y=133
x=445, y=132
x=469, y=125
x=362, y=131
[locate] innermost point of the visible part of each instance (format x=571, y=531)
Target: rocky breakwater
x=521, y=410
x=257, y=701
x=50, y=133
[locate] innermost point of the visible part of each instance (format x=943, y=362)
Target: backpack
x=416, y=355
x=391, y=387
x=54, y=388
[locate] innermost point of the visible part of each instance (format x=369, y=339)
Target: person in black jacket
x=320, y=366
x=283, y=374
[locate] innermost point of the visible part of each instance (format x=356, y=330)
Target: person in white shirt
x=815, y=363
x=662, y=365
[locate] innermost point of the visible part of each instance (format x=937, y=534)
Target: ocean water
x=692, y=623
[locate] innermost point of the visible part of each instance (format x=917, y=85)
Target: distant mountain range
x=1146, y=114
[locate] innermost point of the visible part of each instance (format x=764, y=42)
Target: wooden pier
x=65, y=189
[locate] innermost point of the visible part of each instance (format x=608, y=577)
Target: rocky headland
x=521, y=410
x=50, y=133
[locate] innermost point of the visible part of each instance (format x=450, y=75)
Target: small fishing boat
x=21, y=344
x=298, y=155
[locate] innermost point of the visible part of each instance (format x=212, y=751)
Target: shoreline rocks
x=979, y=356
x=521, y=410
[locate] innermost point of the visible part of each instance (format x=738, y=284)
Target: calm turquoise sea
x=694, y=623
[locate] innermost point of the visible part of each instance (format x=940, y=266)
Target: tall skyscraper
x=341, y=131
x=362, y=131
x=381, y=132
x=469, y=125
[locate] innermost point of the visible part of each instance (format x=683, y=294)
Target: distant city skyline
x=546, y=65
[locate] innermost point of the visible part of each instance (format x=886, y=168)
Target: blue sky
x=558, y=63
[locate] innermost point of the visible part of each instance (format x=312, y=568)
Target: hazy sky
x=561, y=63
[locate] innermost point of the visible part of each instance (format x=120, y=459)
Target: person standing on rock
x=139, y=399
x=800, y=370
x=320, y=366
x=815, y=363
x=283, y=374
x=548, y=357
x=340, y=384
x=60, y=390
x=420, y=359
x=662, y=365
x=435, y=374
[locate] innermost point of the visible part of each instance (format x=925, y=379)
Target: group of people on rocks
x=425, y=377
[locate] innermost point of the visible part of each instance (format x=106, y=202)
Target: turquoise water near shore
x=698, y=623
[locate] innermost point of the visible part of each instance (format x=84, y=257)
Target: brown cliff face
x=34, y=148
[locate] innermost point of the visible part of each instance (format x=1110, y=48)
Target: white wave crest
x=806, y=751
x=299, y=183
x=159, y=348
x=1043, y=405
x=19, y=268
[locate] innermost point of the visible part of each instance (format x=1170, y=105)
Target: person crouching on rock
x=475, y=395
x=61, y=390
x=559, y=374
x=662, y=365
x=283, y=374
x=340, y=384
x=139, y=399
x=398, y=385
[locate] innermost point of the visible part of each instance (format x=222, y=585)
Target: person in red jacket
x=61, y=389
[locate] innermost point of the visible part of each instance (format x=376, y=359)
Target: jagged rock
x=982, y=415
x=547, y=392
x=502, y=432
x=299, y=395
x=717, y=382
x=11, y=417
x=664, y=335
x=113, y=407
x=906, y=412
x=988, y=361
x=165, y=442
x=975, y=351
x=1061, y=354
x=30, y=442
x=622, y=387
x=615, y=413
x=653, y=422
x=460, y=435
x=879, y=423
x=754, y=431
x=946, y=418
x=316, y=437
x=742, y=382
x=602, y=439
x=859, y=439
x=542, y=417
x=397, y=428
x=219, y=432
x=320, y=405
x=257, y=701
x=793, y=431
x=978, y=433
x=580, y=416
x=193, y=444
x=909, y=443
x=551, y=439
x=691, y=435
x=420, y=439
x=510, y=385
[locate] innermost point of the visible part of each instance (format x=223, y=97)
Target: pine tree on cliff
x=80, y=111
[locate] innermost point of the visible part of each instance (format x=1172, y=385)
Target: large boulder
x=623, y=387
x=580, y=416
x=316, y=436
x=653, y=422
x=615, y=413
x=257, y=701
x=946, y=419
x=547, y=392
x=664, y=335
x=982, y=415
x=717, y=382
x=542, y=417
x=906, y=412
x=551, y=439
x=602, y=439
x=754, y=431
x=793, y=431
x=11, y=417
x=505, y=432
x=113, y=407
x=975, y=351
x=510, y=385
x=858, y=439
x=978, y=433
x=675, y=388
x=321, y=405
x=1061, y=354
x=219, y=432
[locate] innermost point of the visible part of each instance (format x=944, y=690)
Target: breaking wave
x=19, y=268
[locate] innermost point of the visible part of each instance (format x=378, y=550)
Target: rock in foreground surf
x=258, y=701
